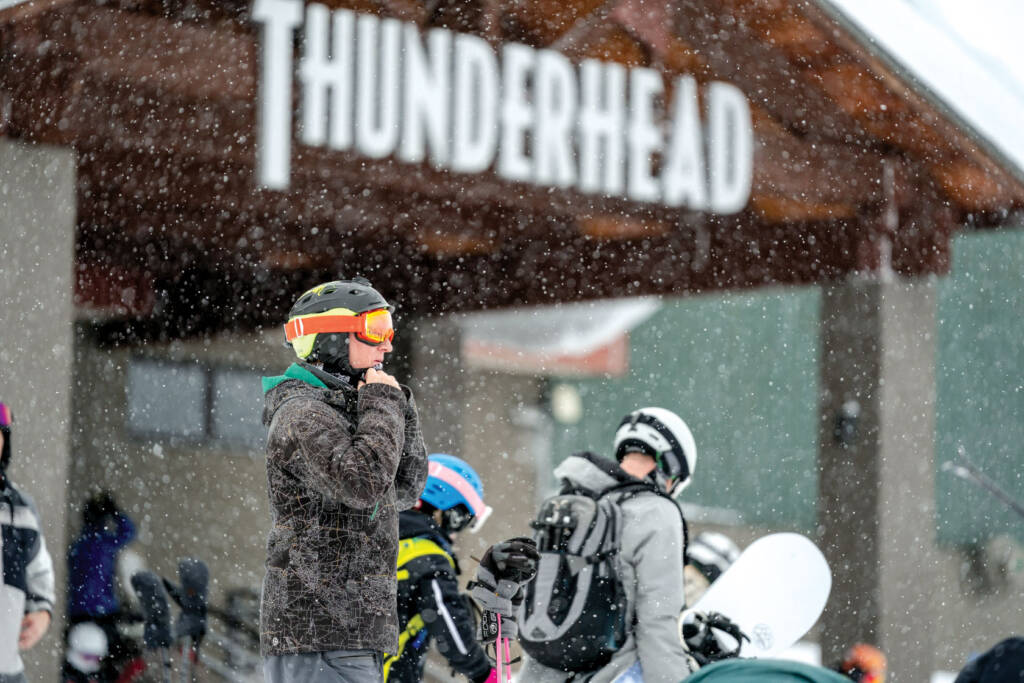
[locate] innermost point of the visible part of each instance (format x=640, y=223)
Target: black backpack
x=574, y=612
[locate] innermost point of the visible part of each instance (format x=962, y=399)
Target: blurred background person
x=1004, y=663
x=864, y=663
x=708, y=556
x=26, y=604
x=92, y=560
x=92, y=567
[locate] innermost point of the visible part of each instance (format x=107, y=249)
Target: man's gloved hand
x=710, y=637
x=513, y=560
x=498, y=587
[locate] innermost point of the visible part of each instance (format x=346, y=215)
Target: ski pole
x=186, y=660
x=969, y=472
x=508, y=660
x=165, y=654
x=157, y=633
x=497, y=648
x=503, y=649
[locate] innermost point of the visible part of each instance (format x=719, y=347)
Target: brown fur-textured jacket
x=341, y=463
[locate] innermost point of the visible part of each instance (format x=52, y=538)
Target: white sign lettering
x=383, y=88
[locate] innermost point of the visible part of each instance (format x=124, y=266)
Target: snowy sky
x=971, y=54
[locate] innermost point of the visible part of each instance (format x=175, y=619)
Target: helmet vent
x=329, y=289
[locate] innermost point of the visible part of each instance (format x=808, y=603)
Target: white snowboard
x=775, y=591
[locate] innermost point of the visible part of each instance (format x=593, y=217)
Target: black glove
x=505, y=569
x=710, y=637
x=513, y=560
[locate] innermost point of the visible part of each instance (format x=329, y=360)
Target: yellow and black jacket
x=430, y=606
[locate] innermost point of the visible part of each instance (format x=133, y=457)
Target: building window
x=167, y=399
x=195, y=402
x=237, y=407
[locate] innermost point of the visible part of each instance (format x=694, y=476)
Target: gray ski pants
x=337, y=666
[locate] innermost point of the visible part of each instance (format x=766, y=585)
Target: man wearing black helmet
x=344, y=456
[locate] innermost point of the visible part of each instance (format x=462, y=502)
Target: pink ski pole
x=497, y=648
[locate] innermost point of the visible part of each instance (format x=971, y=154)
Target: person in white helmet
x=655, y=455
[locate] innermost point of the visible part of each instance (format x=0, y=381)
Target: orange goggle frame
x=372, y=327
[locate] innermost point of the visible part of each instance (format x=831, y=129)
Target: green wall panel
x=980, y=377
x=741, y=369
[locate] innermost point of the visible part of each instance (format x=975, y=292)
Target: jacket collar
x=294, y=371
x=412, y=523
x=594, y=473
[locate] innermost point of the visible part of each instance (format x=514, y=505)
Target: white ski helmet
x=662, y=435
x=87, y=646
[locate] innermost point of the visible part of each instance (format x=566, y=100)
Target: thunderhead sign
x=384, y=88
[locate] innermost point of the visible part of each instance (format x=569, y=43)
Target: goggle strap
x=455, y=480
x=300, y=327
x=478, y=520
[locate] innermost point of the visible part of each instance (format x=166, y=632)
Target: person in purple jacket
x=92, y=566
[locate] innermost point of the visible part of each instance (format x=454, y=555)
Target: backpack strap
x=632, y=489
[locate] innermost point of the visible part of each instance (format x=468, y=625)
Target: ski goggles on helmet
x=372, y=327
x=454, y=520
x=6, y=417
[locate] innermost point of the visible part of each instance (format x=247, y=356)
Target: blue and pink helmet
x=454, y=488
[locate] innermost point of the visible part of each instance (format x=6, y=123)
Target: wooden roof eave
x=23, y=11
x=1003, y=178
x=203, y=107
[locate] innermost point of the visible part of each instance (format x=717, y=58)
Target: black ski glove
x=505, y=569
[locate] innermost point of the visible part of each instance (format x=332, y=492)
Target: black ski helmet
x=340, y=297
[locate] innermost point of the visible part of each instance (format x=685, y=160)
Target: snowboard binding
x=710, y=637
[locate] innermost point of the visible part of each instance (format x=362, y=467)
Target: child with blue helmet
x=430, y=607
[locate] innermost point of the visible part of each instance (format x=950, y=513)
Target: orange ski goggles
x=371, y=327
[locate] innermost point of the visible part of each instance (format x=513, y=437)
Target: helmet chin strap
x=341, y=368
x=662, y=482
x=678, y=486
x=659, y=479
x=345, y=372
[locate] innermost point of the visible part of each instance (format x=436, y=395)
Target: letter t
x=274, y=143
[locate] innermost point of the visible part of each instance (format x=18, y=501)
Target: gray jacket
x=651, y=568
